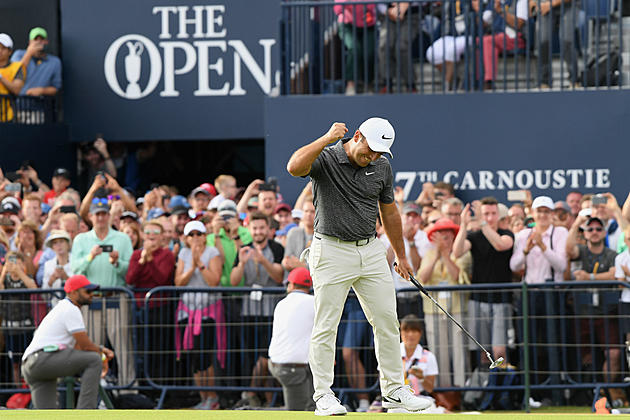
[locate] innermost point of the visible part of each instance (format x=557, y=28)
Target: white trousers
x=335, y=267
x=447, y=48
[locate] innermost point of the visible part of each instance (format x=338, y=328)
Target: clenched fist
x=336, y=132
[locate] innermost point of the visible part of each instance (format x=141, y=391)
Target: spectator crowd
x=381, y=40
x=250, y=239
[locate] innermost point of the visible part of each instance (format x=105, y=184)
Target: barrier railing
x=435, y=46
x=560, y=337
x=30, y=109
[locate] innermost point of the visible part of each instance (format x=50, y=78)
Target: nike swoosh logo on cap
x=386, y=138
x=369, y=173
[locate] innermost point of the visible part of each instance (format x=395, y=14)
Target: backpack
x=471, y=400
x=496, y=400
x=600, y=66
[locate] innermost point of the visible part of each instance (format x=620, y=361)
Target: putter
x=493, y=363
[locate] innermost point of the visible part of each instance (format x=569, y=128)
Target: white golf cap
x=543, y=201
x=379, y=134
x=6, y=40
x=194, y=225
x=57, y=234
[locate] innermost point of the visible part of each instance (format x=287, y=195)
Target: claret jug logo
x=137, y=45
x=201, y=37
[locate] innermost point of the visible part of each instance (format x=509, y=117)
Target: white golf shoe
x=404, y=397
x=329, y=405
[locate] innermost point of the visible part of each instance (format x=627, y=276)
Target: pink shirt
x=358, y=14
x=538, y=264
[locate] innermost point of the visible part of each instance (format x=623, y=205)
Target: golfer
x=351, y=183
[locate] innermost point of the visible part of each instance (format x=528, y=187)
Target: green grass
x=554, y=413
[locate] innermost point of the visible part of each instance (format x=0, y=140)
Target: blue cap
x=154, y=213
x=178, y=201
x=45, y=208
x=284, y=231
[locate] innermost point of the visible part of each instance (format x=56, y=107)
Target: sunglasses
x=100, y=201
x=154, y=232
x=562, y=216
x=196, y=233
x=596, y=229
x=113, y=197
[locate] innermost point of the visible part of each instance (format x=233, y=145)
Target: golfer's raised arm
x=302, y=159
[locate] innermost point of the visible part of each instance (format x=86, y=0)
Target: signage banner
x=483, y=144
x=164, y=70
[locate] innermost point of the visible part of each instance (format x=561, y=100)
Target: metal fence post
x=525, y=310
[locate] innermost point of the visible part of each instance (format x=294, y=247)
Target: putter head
x=496, y=363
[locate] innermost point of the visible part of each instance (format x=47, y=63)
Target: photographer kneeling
x=61, y=347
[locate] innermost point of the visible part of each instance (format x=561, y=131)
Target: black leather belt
x=360, y=242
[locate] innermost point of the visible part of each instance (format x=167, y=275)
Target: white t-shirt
x=613, y=238
x=421, y=358
x=49, y=268
x=197, y=300
x=423, y=245
x=621, y=260
x=57, y=328
x=292, y=325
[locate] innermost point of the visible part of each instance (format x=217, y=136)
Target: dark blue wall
x=46, y=146
x=523, y=133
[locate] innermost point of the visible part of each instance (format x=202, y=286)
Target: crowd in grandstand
x=387, y=34
x=220, y=235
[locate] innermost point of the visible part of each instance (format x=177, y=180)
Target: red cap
x=282, y=206
x=210, y=188
x=78, y=281
x=442, y=224
x=301, y=276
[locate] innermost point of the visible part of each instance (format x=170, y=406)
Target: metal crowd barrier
x=449, y=45
x=30, y=110
x=227, y=341
x=561, y=338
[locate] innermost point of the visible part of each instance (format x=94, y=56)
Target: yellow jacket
x=9, y=72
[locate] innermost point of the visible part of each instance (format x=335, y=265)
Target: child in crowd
x=419, y=364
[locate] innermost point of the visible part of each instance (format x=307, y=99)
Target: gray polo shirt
x=346, y=196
